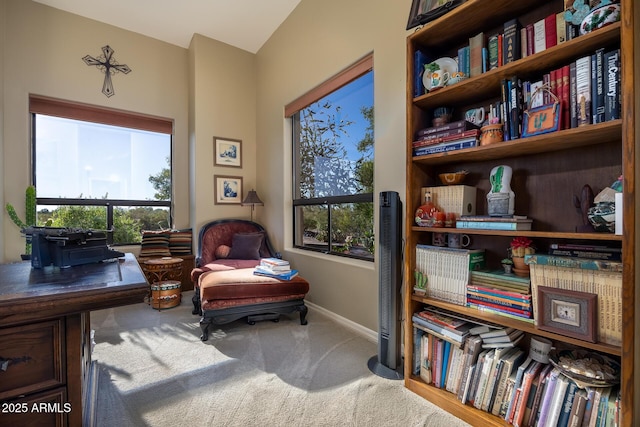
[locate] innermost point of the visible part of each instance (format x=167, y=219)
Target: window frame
x=107, y=116
x=343, y=78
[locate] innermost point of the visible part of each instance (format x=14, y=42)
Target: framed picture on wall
x=227, y=190
x=227, y=152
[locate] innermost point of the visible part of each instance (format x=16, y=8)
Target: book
x=282, y=276
x=525, y=388
x=472, y=348
x=598, y=107
x=524, y=312
x=521, y=225
x=492, y=42
x=476, y=43
x=419, y=61
x=565, y=409
x=511, y=41
x=539, y=36
x=438, y=317
x=480, y=298
x=557, y=400
x=445, y=136
x=504, y=332
x=458, y=124
x=542, y=383
x=606, y=256
x=487, y=364
x=504, y=295
x=444, y=364
x=583, y=90
x=477, y=373
x=574, y=262
x=425, y=358
x=510, y=338
x=441, y=337
x=577, y=409
x=550, y=31
x=510, y=363
x=446, y=147
x=588, y=407
x=547, y=398
x=275, y=262
x=513, y=399
x=502, y=354
x=429, y=326
x=573, y=96
x=612, y=85
x=561, y=28
x=509, y=344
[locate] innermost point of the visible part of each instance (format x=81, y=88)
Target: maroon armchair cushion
x=222, y=234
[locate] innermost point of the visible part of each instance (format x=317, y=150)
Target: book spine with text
x=612, y=85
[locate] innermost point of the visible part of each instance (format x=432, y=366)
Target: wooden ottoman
x=225, y=296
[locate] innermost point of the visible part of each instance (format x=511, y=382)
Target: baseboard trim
x=356, y=327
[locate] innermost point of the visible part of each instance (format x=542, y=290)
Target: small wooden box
x=459, y=199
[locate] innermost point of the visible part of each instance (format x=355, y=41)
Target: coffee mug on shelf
x=439, y=78
x=439, y=239
x=458, y=240
x=475, y=115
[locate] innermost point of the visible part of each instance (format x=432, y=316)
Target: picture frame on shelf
x=227, y=152
x=570, y=313
x=227, y=190
x=423, y=11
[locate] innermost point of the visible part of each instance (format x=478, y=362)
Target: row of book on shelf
x=460, y=276
x=485, y=368
x=587, y=92
x=276, y=268
x=486, y=52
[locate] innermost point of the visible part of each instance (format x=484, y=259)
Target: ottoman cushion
x=242, y=283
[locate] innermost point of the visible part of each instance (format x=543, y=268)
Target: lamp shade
x=252, y=199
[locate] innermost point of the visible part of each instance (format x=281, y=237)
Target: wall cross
x=109, y=66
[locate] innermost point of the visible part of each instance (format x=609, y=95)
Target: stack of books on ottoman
x=276, y=268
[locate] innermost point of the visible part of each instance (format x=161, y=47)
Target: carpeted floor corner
x=155, y=371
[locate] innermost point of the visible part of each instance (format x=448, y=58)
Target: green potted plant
x=30, y=216
x=507, y=264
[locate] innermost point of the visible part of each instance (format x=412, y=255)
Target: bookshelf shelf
x=549, y=171
x=517, y=324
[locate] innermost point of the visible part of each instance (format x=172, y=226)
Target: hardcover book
x=598, y=87
x=511, y=41
x=583, y=90
x=476, y=44
x=612, y=85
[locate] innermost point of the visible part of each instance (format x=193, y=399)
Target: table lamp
x=252, y=200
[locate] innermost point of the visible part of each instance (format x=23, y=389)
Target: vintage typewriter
x=66, y=247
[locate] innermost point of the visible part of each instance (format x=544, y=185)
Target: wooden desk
x=45, y=347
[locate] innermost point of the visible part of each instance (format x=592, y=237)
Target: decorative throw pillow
x=180, y=242
x=222, y=252
x=155, y=244
x=246, y=245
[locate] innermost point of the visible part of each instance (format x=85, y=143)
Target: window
x=333, y=164
x=101, y=169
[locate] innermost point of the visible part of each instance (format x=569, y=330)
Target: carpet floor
x=153, y=370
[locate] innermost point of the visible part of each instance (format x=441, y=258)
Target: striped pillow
x=155, y=243
x=180, y=242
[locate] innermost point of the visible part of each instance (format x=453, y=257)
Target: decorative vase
x=491, y=134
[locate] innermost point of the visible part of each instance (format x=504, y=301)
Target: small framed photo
x=227, y=152
x=227, y=190
x=570, y=313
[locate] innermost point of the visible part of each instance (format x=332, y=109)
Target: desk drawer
x=32, y=358
x=49, y=408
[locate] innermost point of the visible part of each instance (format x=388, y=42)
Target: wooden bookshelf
x=548, y=170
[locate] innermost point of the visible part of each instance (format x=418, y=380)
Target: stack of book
x=446, y=271
x=443, y=326
x=276, y=268
x=505, y=337
x=602, y=252
x=486, y=222
x=595, y=276
x=451, y=136
x=501, y=293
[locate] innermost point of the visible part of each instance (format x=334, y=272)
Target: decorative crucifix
x=108, y=65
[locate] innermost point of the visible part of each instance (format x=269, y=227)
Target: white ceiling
x=246, y=24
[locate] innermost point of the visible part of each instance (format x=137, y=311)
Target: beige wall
x=319, y=39
x=213, y=89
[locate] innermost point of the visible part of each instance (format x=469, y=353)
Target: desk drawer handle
x=4, y=363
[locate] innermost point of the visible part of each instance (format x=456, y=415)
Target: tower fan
x=387, y=362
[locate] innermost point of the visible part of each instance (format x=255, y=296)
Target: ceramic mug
x=439, y=239
x=458, y=240
x=439, y=78
x=475, y=115
x=456, y=77
x=539, y=349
